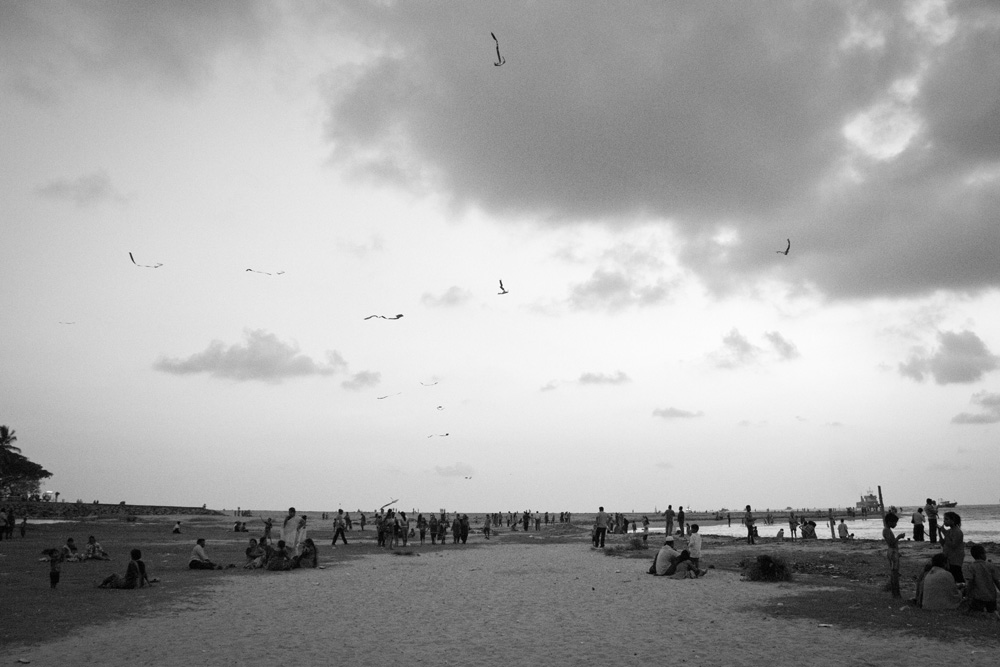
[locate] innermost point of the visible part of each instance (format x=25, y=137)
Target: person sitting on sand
x=278, y=558
x=199, y=560
x=135, y=574
x=309, y=556
x=936, y=587
x=255, y=556
x=177, y=528
x=842, y=531
x=664, y=557
x=93, y=551
x=70, y=552
x=808, y=530
x=982, y=582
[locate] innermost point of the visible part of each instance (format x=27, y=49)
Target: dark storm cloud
x=82, y=190
x=261, y=356
x=709, y=115
x=961, y=357
x=990, y=406
x=618, y=377
x=47, y=46
x=676, y=413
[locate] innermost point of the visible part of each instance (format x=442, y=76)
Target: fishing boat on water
x=946, y=503
x=868, y=503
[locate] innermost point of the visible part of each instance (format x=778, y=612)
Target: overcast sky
x=629, y=172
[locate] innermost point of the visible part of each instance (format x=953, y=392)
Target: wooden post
x=881, y=505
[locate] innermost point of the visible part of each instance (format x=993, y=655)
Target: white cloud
x=961, y=358
x=451, y=297
x=676, y=413
x=456, y=470
x=260, y=357
x=362, y=380
x=786, y=349
x=990, y=404
x=736, y=351
x=82, y=190
x=618, y=377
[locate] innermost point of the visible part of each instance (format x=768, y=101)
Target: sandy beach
x=502, y=602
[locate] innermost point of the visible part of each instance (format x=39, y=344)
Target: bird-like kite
x=389, y=503
x=439, y=435
x=388, y=395
x=276, y=273
x=144, y=266
x=500, y=59
x=787, y=248
x=396, y=317
x=503, y=290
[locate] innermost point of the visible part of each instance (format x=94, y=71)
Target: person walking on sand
x=600, y=528
x=668, y=519
x=748, y=521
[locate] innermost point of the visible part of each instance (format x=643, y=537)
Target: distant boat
x=869, y=502
x=946, y=503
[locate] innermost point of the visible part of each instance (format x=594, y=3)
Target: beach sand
x=501, y=603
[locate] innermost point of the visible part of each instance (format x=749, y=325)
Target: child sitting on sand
x=70, y=553
x=982, y=583
x=93, y=551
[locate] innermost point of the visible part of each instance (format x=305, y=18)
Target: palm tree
x=6, y=438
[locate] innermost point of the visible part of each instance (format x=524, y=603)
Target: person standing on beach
x=930, y=509
x=892, y=553
x=338, y=528
x=668, y=518
x=918, y=525
x=433, y=525
x=680, y=519
x=289, y=527
x=600, y=527
x=748, y=521
x=793, y=524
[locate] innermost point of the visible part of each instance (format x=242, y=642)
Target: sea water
x=980, y=523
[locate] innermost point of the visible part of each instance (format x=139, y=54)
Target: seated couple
x=135, y=575
x=675, y=564
x=278, y=558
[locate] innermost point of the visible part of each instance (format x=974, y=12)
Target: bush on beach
x=631, y=543
x=766, y=568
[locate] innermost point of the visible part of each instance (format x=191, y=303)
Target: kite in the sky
x=144, y=266
x=429, y=384
x=384, y=317
x=502, y=289
x=500, y=59
x=388, y=395
x=787, y=248
x=389, y=503
x=440, y=407
x=276, y=273
x=439, y=435
x=67, y=322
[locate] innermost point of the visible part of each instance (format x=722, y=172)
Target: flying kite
x=144, y=266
